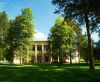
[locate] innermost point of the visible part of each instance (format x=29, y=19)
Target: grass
x=49, y=73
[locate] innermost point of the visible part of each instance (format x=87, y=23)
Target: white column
x=35, y=54
x=27, y=57
x=51, y=54
x=58, y=58
x=42, y=53
x=51, y=60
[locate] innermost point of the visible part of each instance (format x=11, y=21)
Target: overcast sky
x=44, y=18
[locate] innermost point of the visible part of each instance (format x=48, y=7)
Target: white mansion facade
x=42, y=55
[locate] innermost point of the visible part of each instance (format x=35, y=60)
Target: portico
x=40, y=51
x=42, y=55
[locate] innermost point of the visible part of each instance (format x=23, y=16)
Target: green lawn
x=49, y=73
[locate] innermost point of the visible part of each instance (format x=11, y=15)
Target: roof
x=40, y=40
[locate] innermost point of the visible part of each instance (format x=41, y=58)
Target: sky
x=43, y=11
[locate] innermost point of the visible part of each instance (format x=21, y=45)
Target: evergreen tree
x=85, y=11
x=4, y=26
x=20, y=37
x=79, y=39
x=62, y=37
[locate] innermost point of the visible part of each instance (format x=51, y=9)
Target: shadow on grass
x=48, y=73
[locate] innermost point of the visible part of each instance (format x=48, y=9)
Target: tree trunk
x=89, y=41
x=23, y=61
x=11, y=56
x=61, y=58
x=78, y=56
x=70, y=57
x=87, y=58
x=87, y=62
x=11, y=61
x=20, y=59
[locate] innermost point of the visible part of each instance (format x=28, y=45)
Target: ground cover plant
x=49, y=73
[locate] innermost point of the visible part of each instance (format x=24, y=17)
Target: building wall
x=41, y=54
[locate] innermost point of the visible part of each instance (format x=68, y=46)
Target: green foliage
x=4, y=27
x=20, y=36
x=77, y=9
x=97, y=50
x=86, y=12
x=84, y=53
x=62, y=37
x=27, y=12
x=80, y=41
x=49, y=73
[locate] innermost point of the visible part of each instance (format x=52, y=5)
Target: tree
x=85, y=11
x=1, y=55
x=57, y=38
x=71, y=37
x=97, y=50
x=79, y=39
x=61, y=36
x=4, y=26
x=20, y=35
x=83, y=49
x=26, y=40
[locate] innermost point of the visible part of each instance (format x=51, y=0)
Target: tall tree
x=26, y=39
x=71, y=36
x=70, y=42
x=79, y=39
x=20, y=35
x=4, y=26
x=61, y=36
x=84, y=53
x=84, y=11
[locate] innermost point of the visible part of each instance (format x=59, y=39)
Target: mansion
x=43, y=55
